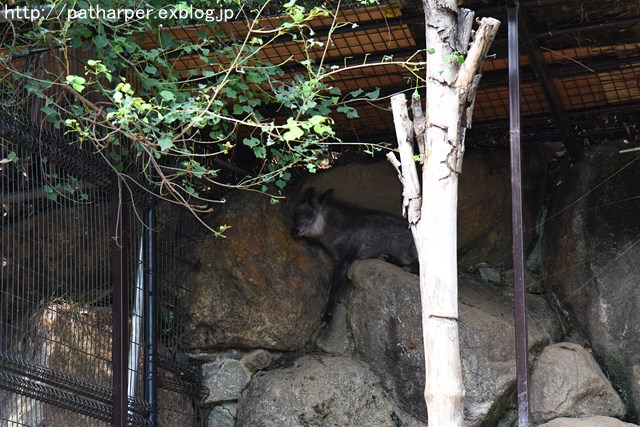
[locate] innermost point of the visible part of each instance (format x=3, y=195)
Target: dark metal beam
x=591, y=26
x=519, y=291
x=603, y=63
x=531, y=46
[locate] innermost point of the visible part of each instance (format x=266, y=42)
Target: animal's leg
x=340, y=269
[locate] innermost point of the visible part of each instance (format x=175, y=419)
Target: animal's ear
x=326, y=196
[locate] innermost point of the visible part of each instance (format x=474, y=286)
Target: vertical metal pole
x=151, y=315
x=120, y=307
x=136, y=325
x=520, y=307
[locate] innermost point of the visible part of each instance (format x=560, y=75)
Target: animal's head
x=310, y=215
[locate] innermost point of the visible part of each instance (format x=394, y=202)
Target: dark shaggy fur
x=348, y=233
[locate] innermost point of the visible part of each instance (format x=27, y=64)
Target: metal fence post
x=520, y=303
x=120, y=307
x=151, y=314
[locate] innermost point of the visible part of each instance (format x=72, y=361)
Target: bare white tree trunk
x=451, y=90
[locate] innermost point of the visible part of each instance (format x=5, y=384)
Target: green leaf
x=100, y=41
x=50, y=193
x=251, y=142
x=165, y=143
x=167, y=95
x=350, y=112
x=373, y=94
x=238, y=109
x=322, y=129
x=49, y=111
x=76, y=82
x=294, y=131
x=253, y=77
x=189, y=189
x=260, y=152
x=13, y=157
x=230, y=92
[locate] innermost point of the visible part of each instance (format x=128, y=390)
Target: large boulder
x=258, y=287
x=567, y=382
x=328, y=391
x=592, y=259
x=484, y=199
x=385, y=320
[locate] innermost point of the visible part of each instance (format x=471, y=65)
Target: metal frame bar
x=151, y=315
x=520, y=303
x=120, y=308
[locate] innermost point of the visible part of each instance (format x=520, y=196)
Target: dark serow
x=348, y=234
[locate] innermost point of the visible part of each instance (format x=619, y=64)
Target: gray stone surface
x=385, y=320
x=567, y=382
x=591, y=259
x=490, y=275
x=586, y=422
x=227, y=373
x=319, y=390
x=336, y=336
x=258, y=359
x=223, y=415
x=225, y=379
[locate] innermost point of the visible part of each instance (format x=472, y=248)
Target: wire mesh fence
x=57, y=299
x=55, y=323
x=61, y=315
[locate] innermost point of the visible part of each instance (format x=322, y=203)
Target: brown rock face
x=258, y=287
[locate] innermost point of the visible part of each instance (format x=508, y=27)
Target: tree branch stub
x=419, y=126
x=465, y=29
x=486, y=32
x=412, y=199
